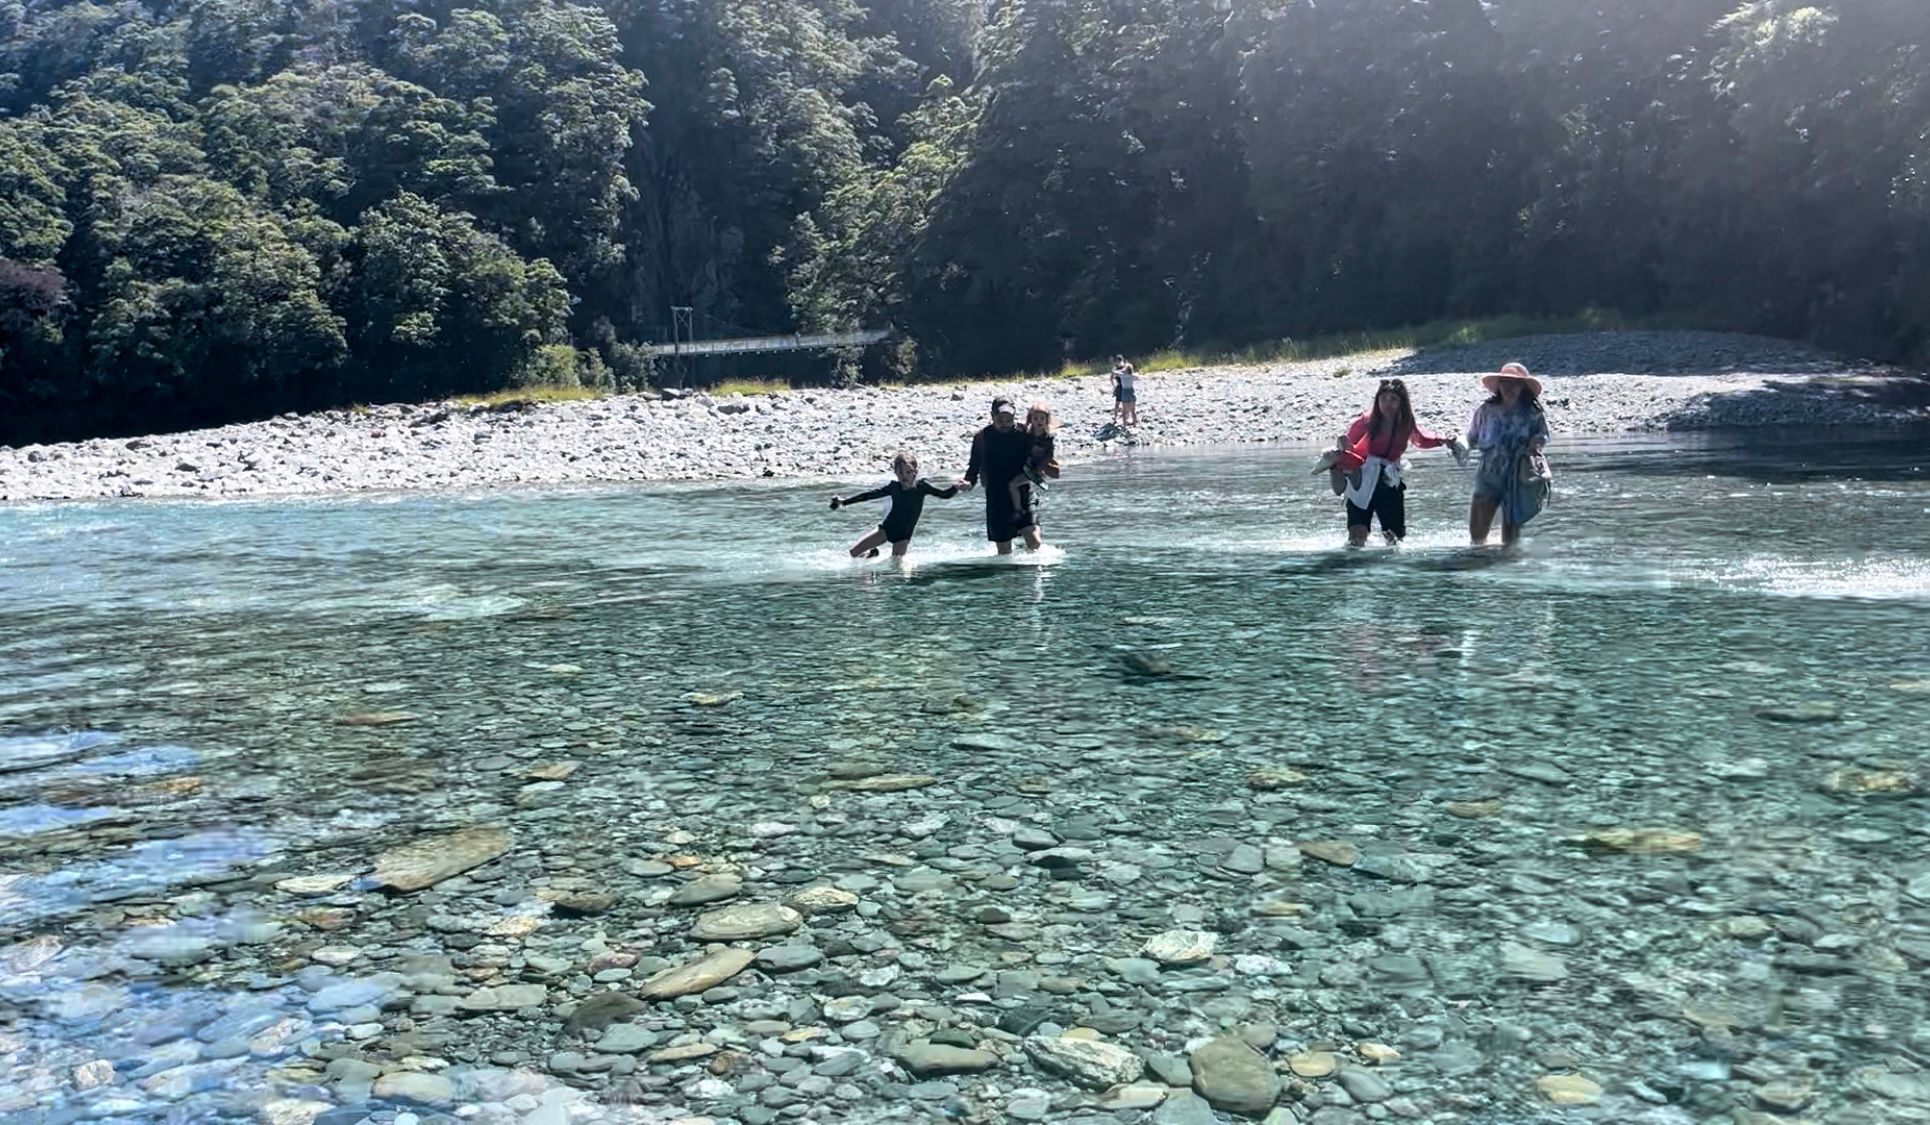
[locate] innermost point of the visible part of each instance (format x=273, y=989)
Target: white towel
x=1360, y=489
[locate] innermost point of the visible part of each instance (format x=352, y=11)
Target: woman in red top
x=1373, y=448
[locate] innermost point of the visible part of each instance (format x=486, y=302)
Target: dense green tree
x=349, y=137
x=215, y=208
x=33, y=220
x=1624, y=84
x=1830, y=103
x=561, y=109
x=436, y=306
x=208, y=309
x=1100, y=181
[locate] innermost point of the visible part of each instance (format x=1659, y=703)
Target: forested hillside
x=218, y=209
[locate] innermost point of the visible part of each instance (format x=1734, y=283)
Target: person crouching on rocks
x=1371, y=455
x=999, y=453
x=1510, y=430
x=1041, y=462
x=906, y=492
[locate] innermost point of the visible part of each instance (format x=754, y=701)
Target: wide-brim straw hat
x=1512, y=371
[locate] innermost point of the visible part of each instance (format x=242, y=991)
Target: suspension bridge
x=724, y=338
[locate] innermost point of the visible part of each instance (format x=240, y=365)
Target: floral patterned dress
x=1506, y=439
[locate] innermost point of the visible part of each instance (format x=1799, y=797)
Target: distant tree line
x=221, y=209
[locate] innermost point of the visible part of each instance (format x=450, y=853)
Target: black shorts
x=1003, y=519
x=1389, y=503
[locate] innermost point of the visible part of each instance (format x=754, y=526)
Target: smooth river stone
x=746, y=923
x=1869, y=783
x=1275, y=777
x=989, y=744
x=413, y=1086
x=1088, y=1062
x=431, y=859
x=886, y=783
x=706, y=889
x=1568, y=1089
x=1313, y=1064
x=602, y=1009
x=1234, y=1077
x=1180, y=947
x=377, y=718
x=704, y=973
x=1523, y=963
x=314, y=884
x=922, y=1058
x=821, y=900
x=504, y=998
x=1642, y=841
x=625, y=1039
x=1340, y=853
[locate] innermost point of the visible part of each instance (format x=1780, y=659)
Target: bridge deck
x=749, y=344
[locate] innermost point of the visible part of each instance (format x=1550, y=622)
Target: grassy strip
x=748, y=387
x=530, y=394
x=1438, y=333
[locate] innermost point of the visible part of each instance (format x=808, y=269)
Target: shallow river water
x=314, y=810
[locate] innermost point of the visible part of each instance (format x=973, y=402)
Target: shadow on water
x=1723, y=354
x=1790, y=397
x=1344, y=561
x=1777, y=455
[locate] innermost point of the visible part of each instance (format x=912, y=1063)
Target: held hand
x=963, y=485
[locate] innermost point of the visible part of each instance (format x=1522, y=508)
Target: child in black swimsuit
x=907, y=492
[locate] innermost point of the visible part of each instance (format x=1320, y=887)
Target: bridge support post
x=681, y=333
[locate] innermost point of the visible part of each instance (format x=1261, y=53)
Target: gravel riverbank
x=1598, y=383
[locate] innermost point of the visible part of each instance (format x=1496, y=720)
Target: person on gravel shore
x=1510, y=430
x=999, y=454
x=1125, y=396
x=1371, y=458
x=906, y=491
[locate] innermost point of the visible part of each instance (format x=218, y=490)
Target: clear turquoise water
x=1635, y=665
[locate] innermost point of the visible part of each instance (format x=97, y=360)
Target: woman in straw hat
x=1510, y=430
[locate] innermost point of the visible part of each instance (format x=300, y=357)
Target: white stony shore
x=1598, y=383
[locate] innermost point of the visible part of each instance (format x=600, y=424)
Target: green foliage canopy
x=218, y=209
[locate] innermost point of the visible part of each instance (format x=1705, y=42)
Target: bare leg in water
x=1481, y=515
x=871, y=542
x=1481, y=512
x=1022, y=500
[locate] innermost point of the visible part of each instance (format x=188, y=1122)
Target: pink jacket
x=1390, y=448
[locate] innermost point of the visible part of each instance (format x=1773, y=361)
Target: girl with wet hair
x=906, y=492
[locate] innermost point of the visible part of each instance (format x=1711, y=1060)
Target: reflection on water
x=1714, y=639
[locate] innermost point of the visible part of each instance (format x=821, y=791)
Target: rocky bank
x=1601, y=383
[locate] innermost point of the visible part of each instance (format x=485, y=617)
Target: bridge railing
x=749, y=344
